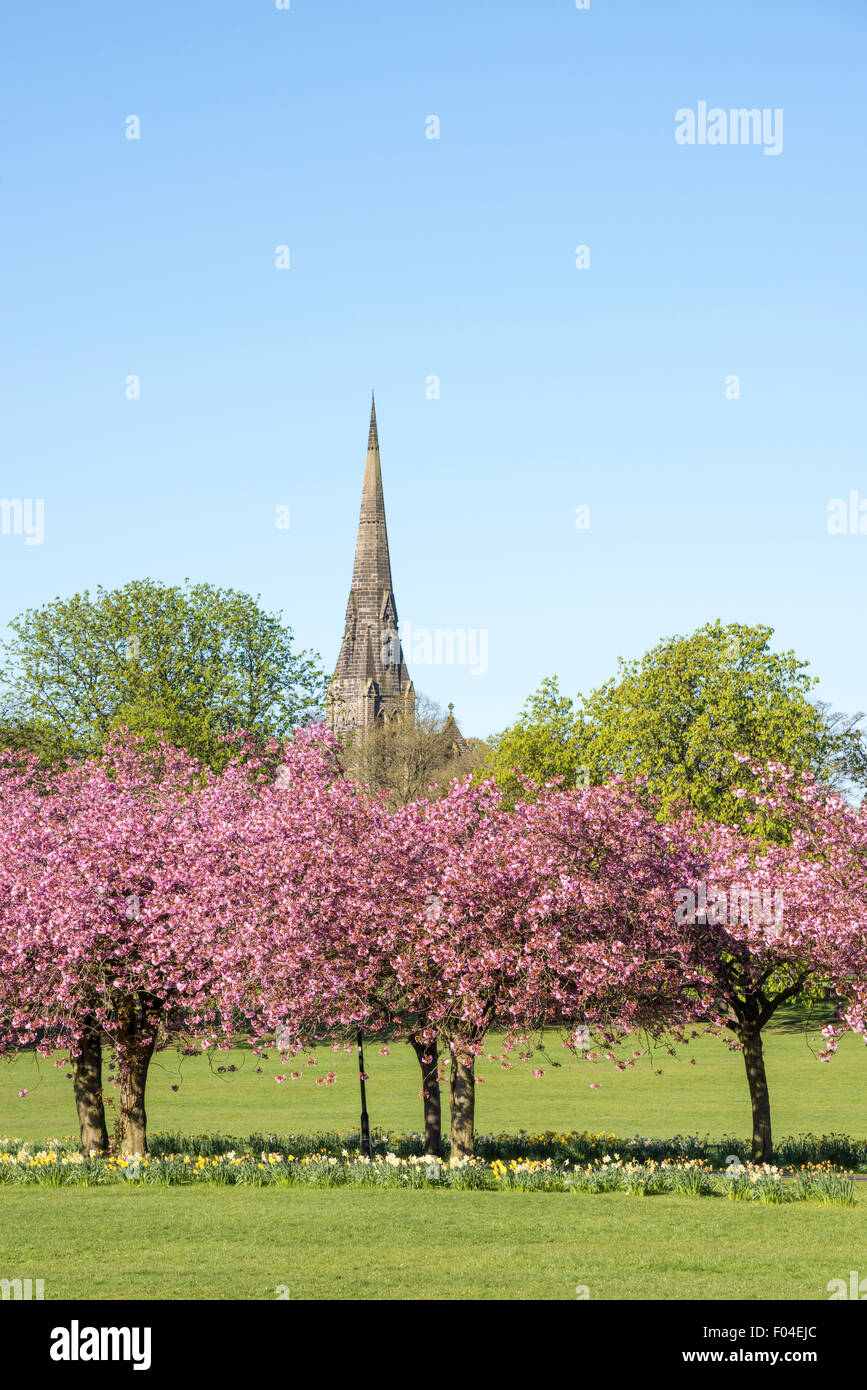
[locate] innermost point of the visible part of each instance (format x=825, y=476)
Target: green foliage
x=545, y=742
x=194, y=662
x=678, y=716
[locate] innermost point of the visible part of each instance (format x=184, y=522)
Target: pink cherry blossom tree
x=770, y=921
x=554, y=914
x=448, y=918
x=143, y=897
x=115, y=898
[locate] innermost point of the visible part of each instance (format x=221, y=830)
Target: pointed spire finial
x=373, y=437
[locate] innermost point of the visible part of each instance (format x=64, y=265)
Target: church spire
x=373, y=436
x=371, y=680
x=372, y=562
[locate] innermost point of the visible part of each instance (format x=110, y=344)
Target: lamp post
x=365, y=1122
x=433, y=912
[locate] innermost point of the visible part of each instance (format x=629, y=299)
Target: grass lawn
x=709, y=1097
x=242, y=1243
x=231, y=1243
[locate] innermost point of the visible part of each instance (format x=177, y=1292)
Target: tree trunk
x=87, y=1086
x=135, y=1046
x=431, y=1089
x=133, y=1117
x=462, y=1097
x=759, y=1098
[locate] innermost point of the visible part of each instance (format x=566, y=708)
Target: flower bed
x=55, y=1165
x=840, y=1150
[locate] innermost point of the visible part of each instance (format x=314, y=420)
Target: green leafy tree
x=544, y=742
x=678, y=716
x=193, y=662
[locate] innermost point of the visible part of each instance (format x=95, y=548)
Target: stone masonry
x=371, y=681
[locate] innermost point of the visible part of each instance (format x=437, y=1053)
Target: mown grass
x=231, y=1243
x=130, y=1241
x=709, y=1097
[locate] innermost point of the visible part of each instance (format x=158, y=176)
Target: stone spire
x=371, y=680
x=372, y=563
x=373, y=434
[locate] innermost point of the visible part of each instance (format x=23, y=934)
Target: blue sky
x=452, y=257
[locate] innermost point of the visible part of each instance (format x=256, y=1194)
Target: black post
x=365, y=1122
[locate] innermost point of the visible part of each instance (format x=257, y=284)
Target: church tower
x=371, y=681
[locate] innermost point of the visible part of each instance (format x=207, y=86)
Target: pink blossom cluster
x=145, y=896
